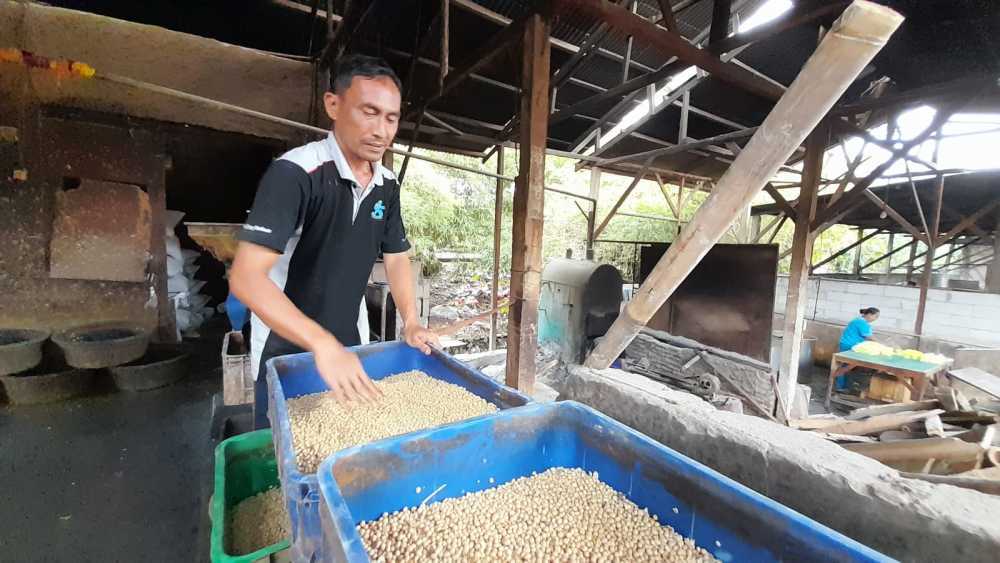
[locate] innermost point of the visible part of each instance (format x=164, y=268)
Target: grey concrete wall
x=907, y=519
x=827, y=335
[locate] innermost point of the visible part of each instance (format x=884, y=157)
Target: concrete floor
x=113, y=476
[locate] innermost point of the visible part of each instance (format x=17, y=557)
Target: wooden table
x=900, y=368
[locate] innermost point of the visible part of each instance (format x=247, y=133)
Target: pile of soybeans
x=411, y=401
x=559, y=515
x=257, y=522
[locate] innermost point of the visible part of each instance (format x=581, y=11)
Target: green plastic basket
x=244, y=466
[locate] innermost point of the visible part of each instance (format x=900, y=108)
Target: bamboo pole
x=855, y=38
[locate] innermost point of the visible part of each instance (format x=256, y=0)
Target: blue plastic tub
x=729, y=520
x=295, y=375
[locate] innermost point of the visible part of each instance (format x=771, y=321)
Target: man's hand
x=342, y=371
x=420, y=338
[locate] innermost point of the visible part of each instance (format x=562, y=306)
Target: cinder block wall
x=968, y=317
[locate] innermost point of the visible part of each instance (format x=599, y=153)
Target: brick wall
x=961, y=316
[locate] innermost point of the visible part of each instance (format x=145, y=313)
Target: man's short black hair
x=350, y=66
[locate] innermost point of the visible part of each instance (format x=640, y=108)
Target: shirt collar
x=344, y=169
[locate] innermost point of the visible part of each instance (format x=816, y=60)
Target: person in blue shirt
x=856, y=332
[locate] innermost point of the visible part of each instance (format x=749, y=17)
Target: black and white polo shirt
x=330, y=230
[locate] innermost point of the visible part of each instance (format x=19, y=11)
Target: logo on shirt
x=379, y=210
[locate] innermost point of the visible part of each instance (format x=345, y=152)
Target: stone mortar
x=161, y=366
x=101, y=346
x=20, y=349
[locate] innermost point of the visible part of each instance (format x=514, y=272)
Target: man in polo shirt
x=322, y=215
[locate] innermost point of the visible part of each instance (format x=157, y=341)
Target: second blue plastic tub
x=296, y=375
x=731, y=521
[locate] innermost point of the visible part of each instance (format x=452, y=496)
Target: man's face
x=366, y=116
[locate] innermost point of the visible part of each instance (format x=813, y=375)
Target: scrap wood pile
x=948, y=439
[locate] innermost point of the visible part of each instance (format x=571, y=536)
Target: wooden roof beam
x=858, y=35
x=671, y=43
x=802, y=12
x=669, y=20
x=721, y=12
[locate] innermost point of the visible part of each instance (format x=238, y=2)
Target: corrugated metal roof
x=939, y=40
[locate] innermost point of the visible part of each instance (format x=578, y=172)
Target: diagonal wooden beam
x=959, y=87
x=899, y=219
x=763, y=232
x=681, y=147
x=614, y=209
x=777, y=230
x=486, y=52
x=666, y=196
x=967, y=222
x=835, y=212
x=974, y=229
x=845, y=250
x=781, y=201
x=951, y=251
x=888, y=255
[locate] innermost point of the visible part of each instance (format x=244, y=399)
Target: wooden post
x=445, y=36
x=595, y=192
x=680, y=205
x=913, y=256
x=166, y=324
x=932, y=241
x=798, y=279
x=888, y=263
x=857, y=255
x=993, y=270
x=529, y=203
x=497, y=228
x=856, y=36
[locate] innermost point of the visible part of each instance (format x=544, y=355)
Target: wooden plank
x=867, y=412
x=845, y=438
x=951, y=449
x=990, y=485
x=798, y=279
x=982, y=380
x=881, y=423
x=529, y=206
x=859, y=34
x=814, y=423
